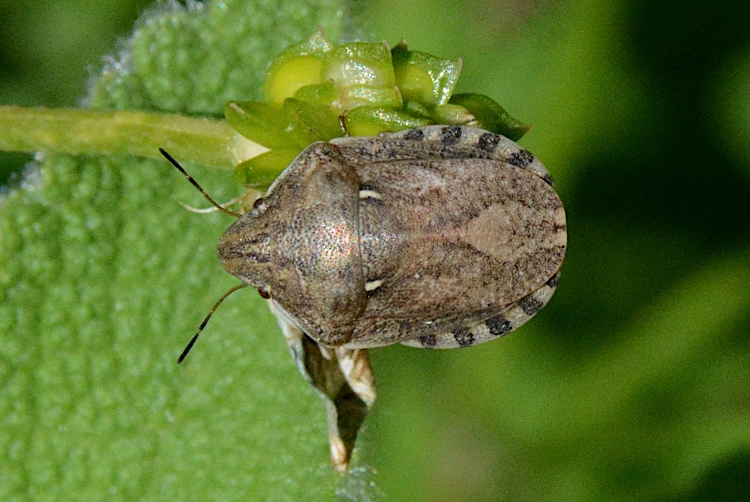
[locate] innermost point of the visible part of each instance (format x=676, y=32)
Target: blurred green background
x=634, y=383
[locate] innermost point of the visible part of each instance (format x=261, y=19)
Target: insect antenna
x=205, y=321
x=196, y=185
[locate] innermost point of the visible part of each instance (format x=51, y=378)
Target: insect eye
x=259, y=204
x=264, y=294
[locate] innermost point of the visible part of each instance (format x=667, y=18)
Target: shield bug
x=435, y=237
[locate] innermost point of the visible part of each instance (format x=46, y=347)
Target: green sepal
x=318, y=94
x=371, y=120
x=314, y=122
x=452, y=114
x=259, y=172
x=298, y=66
x=365, y=95
x=264, y=123
x=489, y=115
x=360, y=63
x=418, y=110
x=424, y=78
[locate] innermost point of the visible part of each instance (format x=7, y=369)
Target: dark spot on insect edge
x=415, y=135
x=464, y=337
x=488, y=142
x=498, y=325
x=530, y=305
x=451, y=135
x=548, y=179
x=521, y=158
x=428, y=341
x=554, y=280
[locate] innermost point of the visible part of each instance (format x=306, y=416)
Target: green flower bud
x=313, y=85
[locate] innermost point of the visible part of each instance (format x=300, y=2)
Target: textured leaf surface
x=105, y=277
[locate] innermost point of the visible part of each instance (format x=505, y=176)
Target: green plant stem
x=88, y=131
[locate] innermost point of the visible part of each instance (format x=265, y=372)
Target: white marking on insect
x=369, y=194
x=373, y=285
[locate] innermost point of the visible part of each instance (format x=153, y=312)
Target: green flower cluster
x=318, y=91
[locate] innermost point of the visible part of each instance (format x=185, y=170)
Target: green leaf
x=105, y=278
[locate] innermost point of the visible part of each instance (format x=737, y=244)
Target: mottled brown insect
x=436, y=237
